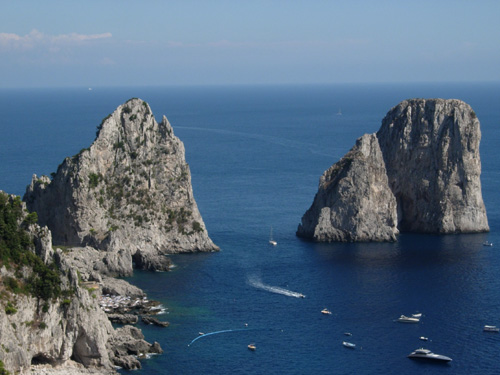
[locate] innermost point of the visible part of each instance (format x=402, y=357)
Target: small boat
x=427, y=354
x=423, y=338
x=349, y=345
x=348, y=333
x=200, y=333
x=487, y=243
x=302, y=295
x=271, y=241
x=418, y=315
x=491, y=329
x=407, y=319
x=252, y=346
x=326, y=311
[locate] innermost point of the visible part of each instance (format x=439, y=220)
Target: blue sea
x=256, y=154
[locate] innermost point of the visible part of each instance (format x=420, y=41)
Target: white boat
x=428, y=355
x=491, y=329
x=487, y=243
x=407, y=319
x=348, y=333
x=423, y=338
x=271, y=241
x=326, y=311
x=349, y=345
x=419, y=315
x=252, y=346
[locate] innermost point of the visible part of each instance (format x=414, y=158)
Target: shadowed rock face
x=422, y=174
x=130, y=193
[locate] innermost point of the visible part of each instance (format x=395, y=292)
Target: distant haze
x=129, y=43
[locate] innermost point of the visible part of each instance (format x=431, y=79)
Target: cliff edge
x=129, y=194
x=419, y=173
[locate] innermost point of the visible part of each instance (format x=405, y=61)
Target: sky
x=219, y=42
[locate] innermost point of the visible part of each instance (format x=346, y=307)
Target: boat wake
x=215, y=333
x=256, y=282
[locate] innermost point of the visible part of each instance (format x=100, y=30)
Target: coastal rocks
x=129, y=194
x=419, y=173
x=127, y=345
x=154, y=321
x=123, y=318
x=63, y=332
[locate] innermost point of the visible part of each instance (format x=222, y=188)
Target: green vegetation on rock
x=16, y=250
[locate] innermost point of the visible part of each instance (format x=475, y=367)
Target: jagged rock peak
x=129, y=193
x=424, y=178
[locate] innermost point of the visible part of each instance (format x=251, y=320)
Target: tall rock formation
x=129, y=194
x=354, y=202
x=421, y=173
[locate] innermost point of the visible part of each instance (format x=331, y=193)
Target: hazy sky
x=127, y=43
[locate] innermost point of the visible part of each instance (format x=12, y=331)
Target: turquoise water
x=256, y=155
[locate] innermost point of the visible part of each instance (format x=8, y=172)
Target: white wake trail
x=256, y=282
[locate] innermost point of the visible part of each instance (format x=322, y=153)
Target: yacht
x=349, y=345
x=408, y=319
x=487, y=243
x=252, y=346
x=418, y=315
x=423, y=338
x=491, y=329
x=427, y=354
x=326, y=311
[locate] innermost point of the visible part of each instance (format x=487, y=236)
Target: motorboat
x=348, y=333
x=408, y=319
x=487, y=243
x=428, y=355
x=491, y=329
x=349, y=345
x=418, y=315
x=423, y=338
x=252, y=346
x=302, y=295
x=326, y=311
x=271, y=241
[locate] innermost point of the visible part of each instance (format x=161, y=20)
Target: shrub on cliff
x=16, y=250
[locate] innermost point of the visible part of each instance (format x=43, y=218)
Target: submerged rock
x=129, y=194
x=419, y=173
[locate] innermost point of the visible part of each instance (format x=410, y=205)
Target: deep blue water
x=256, y=155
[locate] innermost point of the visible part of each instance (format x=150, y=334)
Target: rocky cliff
x=419, y=173
x=59, y=325
x=129, y=194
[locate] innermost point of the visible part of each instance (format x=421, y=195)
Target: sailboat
x=271, y=241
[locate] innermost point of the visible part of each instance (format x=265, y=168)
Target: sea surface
x=256, y=154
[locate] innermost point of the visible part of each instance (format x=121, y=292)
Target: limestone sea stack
x=419, y=173
x=129, y=194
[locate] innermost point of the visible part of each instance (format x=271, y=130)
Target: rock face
x=69, y=334
x=354, y=202
x=129, y=194
x=419, y=173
